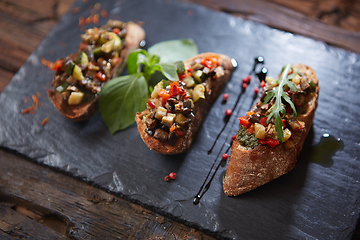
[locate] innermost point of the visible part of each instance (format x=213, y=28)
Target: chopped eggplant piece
x=161, y=135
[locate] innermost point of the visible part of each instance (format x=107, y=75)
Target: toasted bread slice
x=118, y=57
x=251, y=167
x=214, y=82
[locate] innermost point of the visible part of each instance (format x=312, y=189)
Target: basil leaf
x=135, y=59
x=174, y=50
x=120, y=99
x=168, y=70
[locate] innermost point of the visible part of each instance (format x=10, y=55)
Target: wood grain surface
x=36, y=202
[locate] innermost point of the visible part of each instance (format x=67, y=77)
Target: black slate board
x=317, y=200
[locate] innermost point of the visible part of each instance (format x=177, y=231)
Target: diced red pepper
x=101, y=76
x=262, y=84
x=263, y=121
x=283, y=121
x=251, y=129
x=179, y=132
x=163, y=96
x=244, y=122
x=57, y=65
x=151, y=104
x=269, y=141
x=210, y=62
x=172, y=128
x=175, y=89
x=116, y=30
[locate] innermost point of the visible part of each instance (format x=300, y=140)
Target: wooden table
x=36, y=202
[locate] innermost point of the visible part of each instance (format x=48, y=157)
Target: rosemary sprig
x=278, y=111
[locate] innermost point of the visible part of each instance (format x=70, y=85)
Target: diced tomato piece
x=269, y=141
x=57, y=65
x=244, y=122
x=263, y=121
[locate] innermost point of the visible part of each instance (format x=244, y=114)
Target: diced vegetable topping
x=172, y=104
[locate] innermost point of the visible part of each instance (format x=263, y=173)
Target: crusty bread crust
x=250, y=168
x=185, y=141
x=85, y=110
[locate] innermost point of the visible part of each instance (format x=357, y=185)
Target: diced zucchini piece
x=82, y=59
x=77, y=73
x=198, y=93
x=199, y=76
x=117, y=43
x=157, y=88
x=62, y=87
x=189, y=82
x=287, y=134
x=168, y=120
x=160, y=113
x=296, y=79
x=75, y=98
x=69, y=68
x=180, y=119
x=98, y=52
x=180, y=67
x=259, y=131
x=108, y=46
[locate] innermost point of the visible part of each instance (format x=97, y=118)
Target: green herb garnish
x=122, y=97
x=278, y=111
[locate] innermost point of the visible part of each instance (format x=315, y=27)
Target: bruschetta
x=176, y=110
x=102, y=56
x=272, y=133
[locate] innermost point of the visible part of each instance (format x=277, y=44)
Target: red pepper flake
x=35, y=99
x=95, y=19
x=76, y=10
x=167, y=178
x=228, y=112
x=262, y=84
x=225, y=156
x=225, y=96
x=44, y=121
x=28, y=110
x=104, y=13
x=256, y=90
x=81, y=21
x=172, y=175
